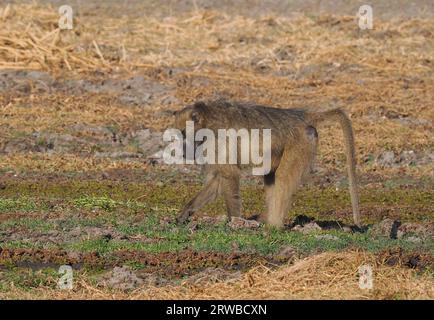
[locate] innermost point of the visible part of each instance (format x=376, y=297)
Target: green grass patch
x=135, y=210
x=32, y=224
x=27, y=278
x=91, y=203
x=137, y=198
x=20, y=204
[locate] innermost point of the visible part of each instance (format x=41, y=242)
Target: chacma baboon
x=294, y=141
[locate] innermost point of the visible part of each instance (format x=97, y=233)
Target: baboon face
x=187, y=114
x=180, y=123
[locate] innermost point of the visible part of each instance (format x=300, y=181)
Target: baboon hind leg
x=231, y=194
x=208, y=193
x=295, y=163
x=280, y=187
x=269, y=180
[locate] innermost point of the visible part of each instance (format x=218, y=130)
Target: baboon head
x=190, y=113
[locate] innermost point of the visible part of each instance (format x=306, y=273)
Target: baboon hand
x=182, y=217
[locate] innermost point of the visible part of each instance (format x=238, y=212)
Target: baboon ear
x=199, y=104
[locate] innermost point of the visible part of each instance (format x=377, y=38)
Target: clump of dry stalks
x=30, y=38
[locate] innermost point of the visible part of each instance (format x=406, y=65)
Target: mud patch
x=394, y=229
x=307, y=228
x=414, y=260
x=44, y=258
x=286, y=254
x=137, y=90
x=306, y=225
x=167, y=264
x=387, y=228
x=58, y=236
x=237, y=223
x=390, y=159
x=121, y=278
x=25, y=82
x=411, y=229
x=187, y=262
x=85, y=140
x=131, y=91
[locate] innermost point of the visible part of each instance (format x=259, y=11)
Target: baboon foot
x=274, y=223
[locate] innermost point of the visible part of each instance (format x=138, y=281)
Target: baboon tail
x=340, y=116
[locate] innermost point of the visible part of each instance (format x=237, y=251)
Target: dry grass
x=377, y=76
x=324, y=276
x=31, y=39
x=50, y=163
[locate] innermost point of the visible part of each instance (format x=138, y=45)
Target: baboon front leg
x=208, y=193
x=231, y=194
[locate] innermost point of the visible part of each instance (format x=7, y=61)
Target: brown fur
x=294, y=142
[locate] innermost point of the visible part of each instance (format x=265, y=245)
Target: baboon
x=294, y=140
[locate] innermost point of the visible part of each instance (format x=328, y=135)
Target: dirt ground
x=82, y=182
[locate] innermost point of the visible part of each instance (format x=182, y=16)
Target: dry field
x=82, y=113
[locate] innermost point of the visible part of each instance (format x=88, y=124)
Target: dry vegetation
x=384, y=78
x=324, y=276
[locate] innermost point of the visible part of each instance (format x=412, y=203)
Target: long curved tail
x=314, y=117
